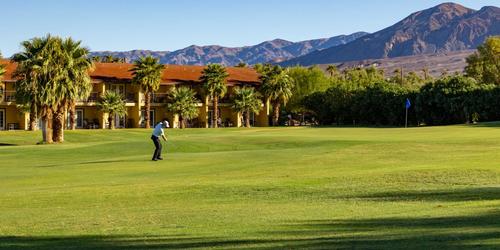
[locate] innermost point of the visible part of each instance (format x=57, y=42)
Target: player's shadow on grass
x=7, y=144
x=454, y=195
x=458, y=232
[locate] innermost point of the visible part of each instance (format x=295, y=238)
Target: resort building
x=117, y=77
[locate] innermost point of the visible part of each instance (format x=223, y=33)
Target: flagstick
x=406, y=118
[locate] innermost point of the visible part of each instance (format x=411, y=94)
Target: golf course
x=283, y=187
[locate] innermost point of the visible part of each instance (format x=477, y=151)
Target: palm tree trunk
x=216, y=112
x=181, y=121
x=147, y=103
x=58, y=124
x=33, y=116
x=247, y=118
x=47, y=125
x=111, y=121
x=72, y=115
x=276, y=113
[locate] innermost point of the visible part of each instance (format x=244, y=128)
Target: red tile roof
x=171, y=73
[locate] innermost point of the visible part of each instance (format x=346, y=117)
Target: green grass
x=416, y=188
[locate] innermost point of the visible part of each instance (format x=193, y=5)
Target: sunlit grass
x=416, y=188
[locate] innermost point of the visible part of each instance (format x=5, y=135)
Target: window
x=118, y=88
x=78, y=119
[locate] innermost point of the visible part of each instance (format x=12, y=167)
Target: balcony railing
x=93, y=97
x=9, y=96
x=157, y=98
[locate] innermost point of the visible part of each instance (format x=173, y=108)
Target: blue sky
x=174, y=24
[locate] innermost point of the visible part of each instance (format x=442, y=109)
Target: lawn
x=415, y=188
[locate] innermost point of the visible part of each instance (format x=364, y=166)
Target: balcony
x=130, y=97
x=157, y=98
x=9, y=96
x=93, y=97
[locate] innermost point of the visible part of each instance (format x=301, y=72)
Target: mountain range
x=442, y=29
x=270, y=51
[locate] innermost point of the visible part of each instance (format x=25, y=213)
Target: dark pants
x=156, y=141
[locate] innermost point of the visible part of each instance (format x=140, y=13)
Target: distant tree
x=214, y=82
x=427, y=76
x=332, y=70
x=183, y=103
x=241, y=65
x=113, y=104
x=397, y=76
x=246, y=101
x=484, y=65
x=412, y=79
x=306, y=81
x=147, y=74
x=277, y=85
x=108, y=59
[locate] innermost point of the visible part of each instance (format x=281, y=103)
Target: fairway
x=336, y=188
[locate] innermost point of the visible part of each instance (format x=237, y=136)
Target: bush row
x=449, y=100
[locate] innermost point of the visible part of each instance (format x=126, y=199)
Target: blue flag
x=408, y=103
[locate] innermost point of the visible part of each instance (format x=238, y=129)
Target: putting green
x=416, y=188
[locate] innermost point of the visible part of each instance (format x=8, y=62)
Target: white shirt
x=158, y=130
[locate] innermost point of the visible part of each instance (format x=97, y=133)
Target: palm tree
x=108, y=59
x=246, y=101
x=39, y=72
x=112, y=103
x=147, y=74
x=183, y=103
x=277, y=86
x=241, y=65
x=96, y=59
x=74, y=84
x=332, y=70
x=214, y=82
x=78, y=79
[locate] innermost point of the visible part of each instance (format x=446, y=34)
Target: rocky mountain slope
x=444, y=28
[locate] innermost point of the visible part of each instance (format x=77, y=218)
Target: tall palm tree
x=39, y=72
x=332, y=70
x=147, y=74
x=78, y=79
x=246, y=101
x=183, y=103
x=277, y=86
x=214, y=82
x=74, y=84
x=112, y=103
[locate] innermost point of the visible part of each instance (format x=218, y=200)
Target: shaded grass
x=417, y=188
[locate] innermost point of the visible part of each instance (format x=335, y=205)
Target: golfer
x=157, y=132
